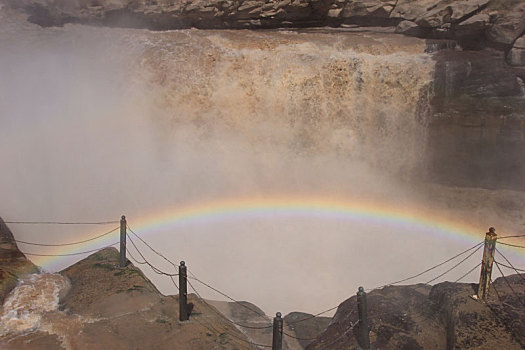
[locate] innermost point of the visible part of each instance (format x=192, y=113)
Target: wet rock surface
x=444, y=316
x=477, y=125
x=13, y=263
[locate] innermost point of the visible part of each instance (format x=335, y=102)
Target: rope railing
x=468, y=273
x=453, y=267
x=348, y=329
x=67, y=244
x=229, y=297
x=513, y=236
x=512, y=245
x=512, y=266
x=59, y=222
x=150, y=247
x=312, y=316
x=430, y=268
x=72, y=254
x=154, y=268
x=201, y=299
x=508, y=283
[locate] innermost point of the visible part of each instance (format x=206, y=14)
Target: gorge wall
x=496, y=22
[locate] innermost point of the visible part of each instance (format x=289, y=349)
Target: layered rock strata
x=475, y=22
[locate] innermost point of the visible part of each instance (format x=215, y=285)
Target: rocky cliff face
x=498, y=22
x=477, y=123
x=13, y=263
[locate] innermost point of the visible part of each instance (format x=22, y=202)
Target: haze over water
x=97, y=123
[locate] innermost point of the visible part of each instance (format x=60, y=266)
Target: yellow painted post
x=486, y=263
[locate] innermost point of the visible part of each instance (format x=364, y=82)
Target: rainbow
x=271, y=207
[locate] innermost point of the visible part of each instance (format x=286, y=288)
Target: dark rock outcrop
x=306, y=326
x=444, y=316
x=508, y=21
x=13, y=263
x=477, y=125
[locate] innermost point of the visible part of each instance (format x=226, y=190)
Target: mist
x=97, y=123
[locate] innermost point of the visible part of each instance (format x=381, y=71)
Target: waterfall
x=351, y=95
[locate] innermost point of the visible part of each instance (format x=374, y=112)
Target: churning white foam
x=29, y=301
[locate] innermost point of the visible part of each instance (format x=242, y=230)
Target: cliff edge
x=13, y=263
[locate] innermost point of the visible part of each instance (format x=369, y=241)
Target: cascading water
x=302, y=94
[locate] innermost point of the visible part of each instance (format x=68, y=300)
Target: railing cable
x=66, y=244
x=453, y=267
x=71, y=254
x=59, y=222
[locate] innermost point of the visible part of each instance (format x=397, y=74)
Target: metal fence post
x=486, y=263
x=123, y=225
x=277, y=341
x=184, y=314
x=362, y=311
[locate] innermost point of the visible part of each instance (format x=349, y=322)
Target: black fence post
x=277, y=341
x=362, y=311
x=184, y=313
x=123, y=225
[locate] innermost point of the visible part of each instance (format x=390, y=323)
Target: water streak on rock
x=35, y=295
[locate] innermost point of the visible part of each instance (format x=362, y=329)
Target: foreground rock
x=306, y=326
x=13, y=263
x=440, y=317
x=300, y=328
x=108, y=307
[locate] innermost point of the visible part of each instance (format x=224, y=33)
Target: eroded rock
x=508, y=25
x=516, y=56
x=411, y=9
x=450, y=12
x=411, y=28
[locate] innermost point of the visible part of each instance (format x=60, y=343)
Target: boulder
x=412, y=9
x=372, y=8
x=508, y=25
x=334, y=13
x=516, y=56
x=450, y=12
x=473, y=26
x=411, y=29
